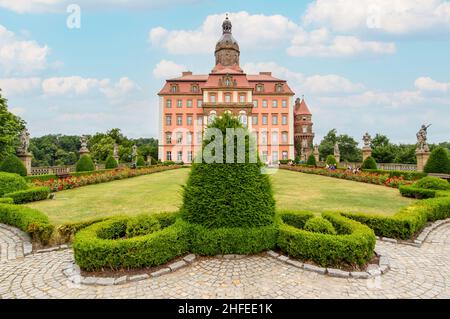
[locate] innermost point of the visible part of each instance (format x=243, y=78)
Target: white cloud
x=20, y=56
x=428, y=84
x=120, y=89
x=19, y=86
x=313, y=84
x=390, y=16
x=168, y=69
x=17, y=111
x=321, y=43
x=25, y=6
x=258, y=31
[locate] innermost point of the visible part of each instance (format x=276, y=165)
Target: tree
x=348, y=147
x=10, y=128
x=438, y=162
x=12, y=164
x=140, y=161
x=405, y=154
x=326, y=146
x=102, y=148
x=331, y=160
x=369, y=163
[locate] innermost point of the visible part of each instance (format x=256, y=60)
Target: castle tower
x=303, y=132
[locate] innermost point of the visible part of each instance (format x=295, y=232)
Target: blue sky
x=378, y=66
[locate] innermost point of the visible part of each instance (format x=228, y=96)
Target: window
x=264, y=119
x=168, y=104
x=168, y=138
x=284, y=119
x=189, y=103
x=284, y=103
x=255, y=119
x=279, y=88
x=274, y=137
x=194, y=88
x=259, y=88
x=285, y=155
x=199, y=103
x=274, y=157
x=274, y=119
x=168, y=156
x=180, y=156
x=189, y=120
x=305, y=129
x=179, y=103
x=211, y=117
x=243, y=118
x=179, y=137
x=199, y=137
x=189, y=138
x=227, y=97
x=200, y=119
x=174, y=88
x=264, y=137
x=168, y=119
x=179, y=119
x=264, y=156
x=264, y=103
x=212, y=98
x=255, y=103
x=284, y=137
x=274, y=103
x=242, y=98
x=189, y=157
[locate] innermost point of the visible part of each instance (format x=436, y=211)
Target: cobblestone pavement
x=415, y=273
x=12, y=241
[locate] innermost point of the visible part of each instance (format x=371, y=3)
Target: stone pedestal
x=338, y=158
x=422, y=159
x=116, y=158
x=26, y=160
x=316, y=155
x=84, y=152
x=366, y=152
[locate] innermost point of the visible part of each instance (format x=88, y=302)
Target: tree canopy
x=10, y=127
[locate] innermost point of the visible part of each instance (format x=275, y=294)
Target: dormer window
x=259, y=87
x=278, y=88
x=227, y=81
x=194, y=88
x=174, y=88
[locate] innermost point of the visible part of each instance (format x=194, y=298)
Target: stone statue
x=316, y=148
x=24, y=142
x=336, y=149
x=367, y=140
x=83, y=141
x=116, y=150
x=134, y=152
x=422, y=144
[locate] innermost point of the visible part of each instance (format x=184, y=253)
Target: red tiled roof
x=191, y=77
x=263, y=77
x=302, y=108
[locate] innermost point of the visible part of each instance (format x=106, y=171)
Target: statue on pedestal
x=24, y=142
x=367, y=140
x=83, y=148
x=422, y=145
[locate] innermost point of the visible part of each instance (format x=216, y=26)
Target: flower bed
x=363, y=177
x=59, y=184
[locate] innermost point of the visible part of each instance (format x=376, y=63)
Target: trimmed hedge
x=320, y=225
x=27, y=219
x=12, y=164
x=353, y=244
x=416, y=192
x=311, y=160
x=408, y=220
x=111, y=163
x=85, y=164
x=29, y=195
x=331, y=160
x=369, y=163
x=431, y=182
x=10, y=182
x=140, y=161
x=6, y=200
x=94, y=247
x=439, y=162
x=142, y=225
x=407, y=175
x=236, y=240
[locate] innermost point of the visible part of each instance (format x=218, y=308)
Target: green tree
x=10, y=127
x=85, y=164
x=326, y=146
x=102, y=148
x=369, y=163
x=438, y=162
x=12, y=164
x=348, y=147
x=311, y=160
x=331, y=160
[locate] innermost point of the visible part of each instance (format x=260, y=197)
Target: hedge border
x=29, y=195
x=407, y=175
x=27, y=219
x=354, y=243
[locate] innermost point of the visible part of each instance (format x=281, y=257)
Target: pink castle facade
x=263, y=103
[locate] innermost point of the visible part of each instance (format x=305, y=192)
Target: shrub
x=67, y=230
x=297, y=219
x=408, y=220
x=29, y=220
x=29, y=195
x=331, y=160
x=416, y=192
x=438, y=162
x=369, y=163
x=407, y=175
x=6, y=200
x=168, y=163
x=142, y=225
x=140, y=161
x=431, y=182
x=12, y=164
x=284, y=162
x=111, y=163
x=320, y=225
x=228, y=195
x=354, y=243
x=10, y=182
x=311, y=160
x=85, y=164
x=96, y=246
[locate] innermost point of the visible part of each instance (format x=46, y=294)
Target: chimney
x=265, y=73
x=185, y=73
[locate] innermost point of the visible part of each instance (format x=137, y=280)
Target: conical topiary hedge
x=311, y=160
x=12, y=164
x=369, y=163
x=224, y=194
x=111, y=163
x=85, y=164
x=438, y=162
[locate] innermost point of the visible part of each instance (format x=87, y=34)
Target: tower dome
x=227, y=49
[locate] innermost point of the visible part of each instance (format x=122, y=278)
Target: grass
x=162, y=192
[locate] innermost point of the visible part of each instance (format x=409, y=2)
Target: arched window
x=259, y=87
x=243, y=118
x=174, y=88
x=194, y=88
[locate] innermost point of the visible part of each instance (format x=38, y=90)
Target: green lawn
x=162, y=192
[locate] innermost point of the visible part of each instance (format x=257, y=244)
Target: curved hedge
x=353, y=244
x=10, y=182
x=320, y=225
x=95, y=248
x=431, y=182
x=29, y=195
x=6, y=200
x=416, y=192
x=12, y=164
x=27, y=219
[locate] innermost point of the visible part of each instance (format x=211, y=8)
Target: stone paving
x=415, y=273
